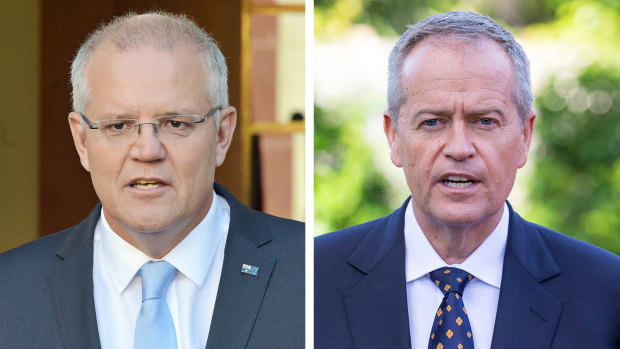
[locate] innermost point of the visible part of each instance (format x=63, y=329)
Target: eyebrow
x=444, y=112
x=114, y=116
x=438, y=112
x=482, y=112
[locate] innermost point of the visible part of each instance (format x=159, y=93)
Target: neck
x=455, y=243
x=157, y=244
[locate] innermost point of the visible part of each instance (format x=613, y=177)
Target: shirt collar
x=485, y=263
x=192, y=256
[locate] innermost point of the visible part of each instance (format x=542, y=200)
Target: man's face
x=459, y=138
x=150, y=186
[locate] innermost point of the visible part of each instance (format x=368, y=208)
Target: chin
x=457, y=214
x=463, y=214
x=149, y=222
x=147, y=227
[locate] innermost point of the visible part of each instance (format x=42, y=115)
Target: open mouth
x=145, y=184
x=458, y=182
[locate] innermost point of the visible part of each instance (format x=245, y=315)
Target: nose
x=147, y=147
x=458, y=144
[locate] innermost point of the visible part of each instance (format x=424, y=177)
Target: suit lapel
x=239, y=294
x=71, y=287
x=376, y=307
x=527, y=314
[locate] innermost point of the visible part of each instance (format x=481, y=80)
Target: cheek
x=418, y=159
x=503, y=160
x=105, y=164
x=197, y=163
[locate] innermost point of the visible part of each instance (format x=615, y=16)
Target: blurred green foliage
x=575, y=183
x=348, y=189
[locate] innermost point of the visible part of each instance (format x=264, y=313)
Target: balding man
x=168, y=259
x=455, y=266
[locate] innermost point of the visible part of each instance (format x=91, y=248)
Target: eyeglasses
x=169, y=128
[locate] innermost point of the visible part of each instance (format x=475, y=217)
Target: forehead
x=438, y=66
x=442, y=58
x=145, y=74
x=143, y=57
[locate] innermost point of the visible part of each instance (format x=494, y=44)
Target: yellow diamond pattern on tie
x=464, y=310
x=452, y=283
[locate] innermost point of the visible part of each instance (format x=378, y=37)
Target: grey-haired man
x=168, y=259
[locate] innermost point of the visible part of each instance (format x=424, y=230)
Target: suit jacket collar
x=240, y=295
x=376, y=307
x=71, y=286
x=525, y=306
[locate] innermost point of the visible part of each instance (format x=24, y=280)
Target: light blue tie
x=154, y=326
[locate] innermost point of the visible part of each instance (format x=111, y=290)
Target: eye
x=177, y=124
x=117, y=126
x=487, y=121
x=430, y=122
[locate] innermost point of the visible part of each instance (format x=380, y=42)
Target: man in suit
x=455, y=266
x=168, y=258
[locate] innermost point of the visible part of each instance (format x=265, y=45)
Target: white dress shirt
x=480, y=295
x=191, y=295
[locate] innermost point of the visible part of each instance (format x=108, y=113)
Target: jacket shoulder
x=574, y=253
x=343, y=242
x=38, y=253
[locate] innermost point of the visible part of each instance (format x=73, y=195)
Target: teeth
x=144, y=184
x=142, y=181
x=457, y=182
x=458, y=185
x=457, y=179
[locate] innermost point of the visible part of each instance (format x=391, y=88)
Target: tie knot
x=156, y=277
x=451, y=279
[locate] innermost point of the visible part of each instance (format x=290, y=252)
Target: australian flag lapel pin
x=249, y=269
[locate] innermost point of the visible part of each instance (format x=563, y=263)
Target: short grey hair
x=163, y=30
x=459, y=25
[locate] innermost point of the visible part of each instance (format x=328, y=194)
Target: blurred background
x=43, y=187
x=571, y=182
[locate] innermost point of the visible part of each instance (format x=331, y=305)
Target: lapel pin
x=249, y=269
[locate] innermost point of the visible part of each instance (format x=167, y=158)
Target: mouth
x=145, y=184
x=458, y=182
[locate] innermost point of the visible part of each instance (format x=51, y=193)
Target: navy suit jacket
x=556, y=292
x=46, y=287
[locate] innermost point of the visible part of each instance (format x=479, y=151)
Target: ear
x=228, y=122
x=389, y=127
x=528, y=129
x=75, y=123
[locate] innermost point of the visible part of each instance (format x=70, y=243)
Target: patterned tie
x=451, y=327
x=154, y=326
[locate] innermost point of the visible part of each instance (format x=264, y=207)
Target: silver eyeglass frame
x=93, y=125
